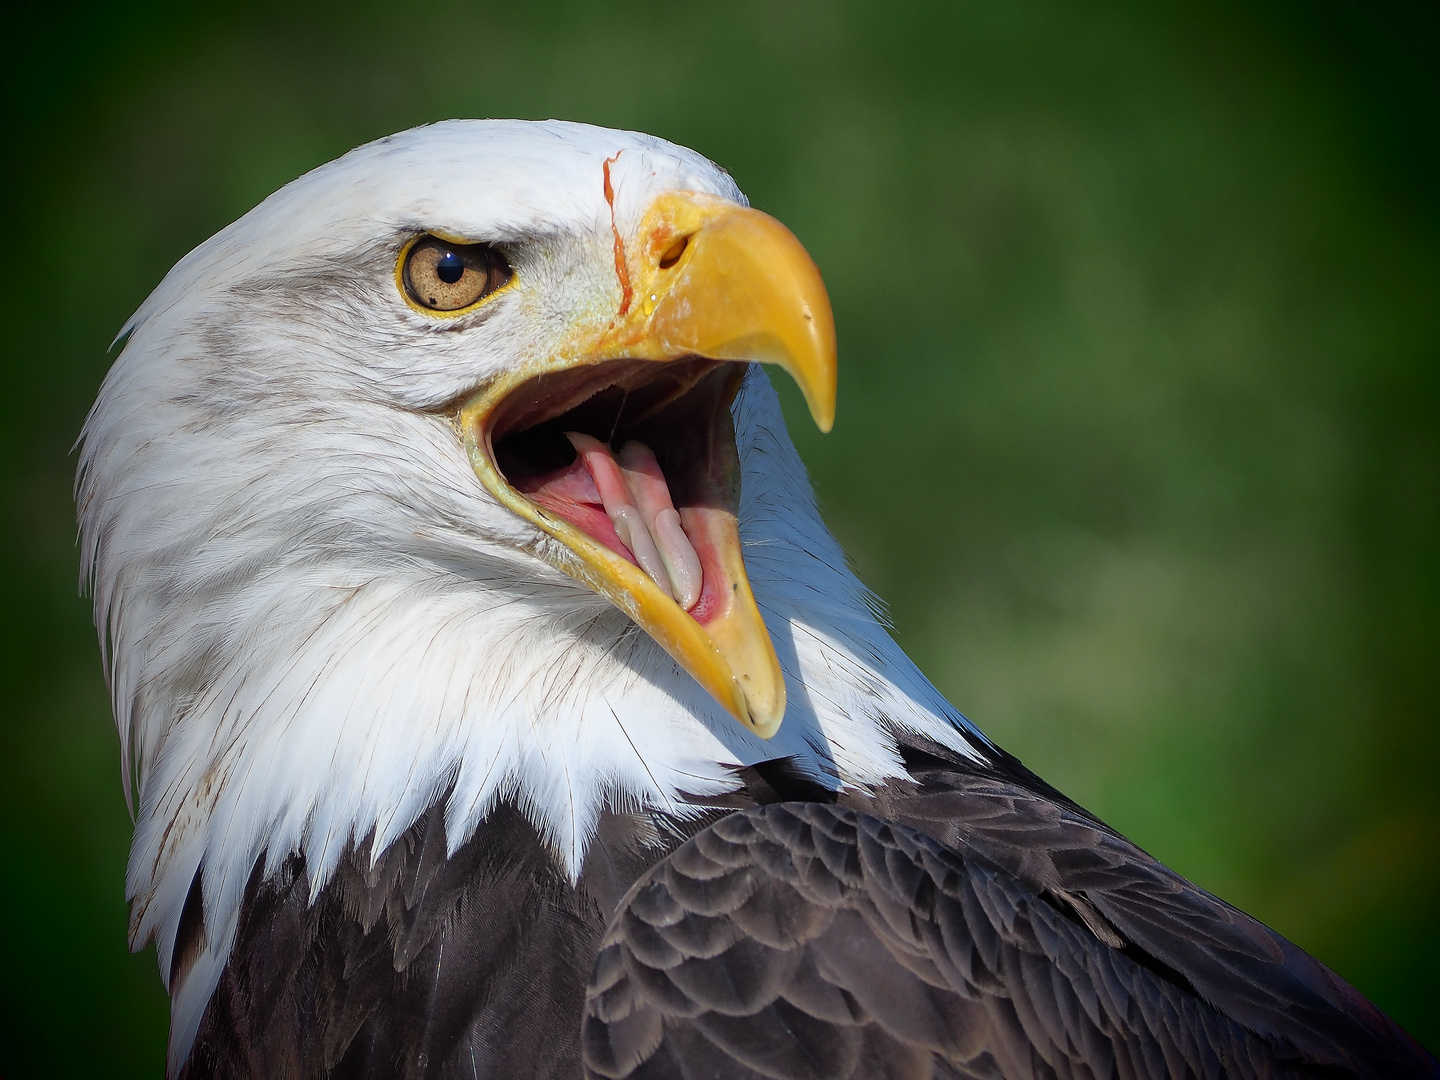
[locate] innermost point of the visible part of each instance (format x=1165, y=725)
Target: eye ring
x=444, y=278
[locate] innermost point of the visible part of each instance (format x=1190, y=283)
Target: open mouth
x=618, y=445
x=638, y=456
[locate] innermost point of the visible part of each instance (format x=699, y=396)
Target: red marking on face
x=622, y=272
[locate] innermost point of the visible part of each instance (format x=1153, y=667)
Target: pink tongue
x=634, y=507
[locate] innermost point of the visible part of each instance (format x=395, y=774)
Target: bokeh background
x=1139, y=312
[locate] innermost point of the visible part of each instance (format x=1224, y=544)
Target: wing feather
x=821, y=941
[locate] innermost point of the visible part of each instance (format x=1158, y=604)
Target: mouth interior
x=614, y=412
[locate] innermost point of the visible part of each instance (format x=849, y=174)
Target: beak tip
x=823, y=413
x=766, y=730
x=765, y=721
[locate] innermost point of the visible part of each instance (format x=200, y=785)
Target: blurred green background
x=1139, y=311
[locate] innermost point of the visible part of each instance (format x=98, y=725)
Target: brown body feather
x=973, y=923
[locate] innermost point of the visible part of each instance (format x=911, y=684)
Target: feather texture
x=764, y=937
x=806, y=941
x=317, y=620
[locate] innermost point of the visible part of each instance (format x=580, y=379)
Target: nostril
x=673, y=253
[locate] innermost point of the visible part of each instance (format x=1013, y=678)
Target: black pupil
x=450, y=268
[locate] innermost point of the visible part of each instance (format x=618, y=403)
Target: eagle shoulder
x=821, y=940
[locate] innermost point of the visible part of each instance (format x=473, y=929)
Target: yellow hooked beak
x=709, y=279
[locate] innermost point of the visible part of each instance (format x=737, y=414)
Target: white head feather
x=316, y=621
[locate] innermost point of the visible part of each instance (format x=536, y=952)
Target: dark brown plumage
x=971, y=924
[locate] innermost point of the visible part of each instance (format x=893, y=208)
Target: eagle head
x=448, y=472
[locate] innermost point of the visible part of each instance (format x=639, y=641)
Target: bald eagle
x=494, y=702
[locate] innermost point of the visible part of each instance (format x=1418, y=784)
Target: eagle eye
x=440, y=276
